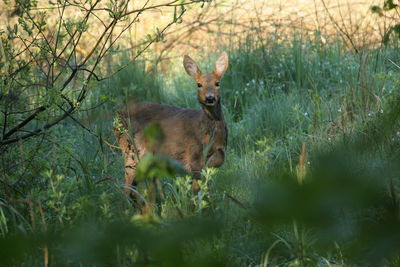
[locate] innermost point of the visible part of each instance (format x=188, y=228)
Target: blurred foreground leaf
x=348, y=196
x=157, y=166
x=118, y=243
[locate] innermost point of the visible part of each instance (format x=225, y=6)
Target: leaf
x=385, y=38
x=395, y=29
x=388, y=5
x=153, y=134
x=377, y=10
x=157, y=166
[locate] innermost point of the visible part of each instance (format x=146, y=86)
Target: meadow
x=311, y=176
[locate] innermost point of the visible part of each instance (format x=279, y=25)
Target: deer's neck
x=214, y=113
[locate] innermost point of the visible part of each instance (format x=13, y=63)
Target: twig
x=346, y=34
x=391, y=61
x=236, y=201
x=103, y=180
x=24, y=122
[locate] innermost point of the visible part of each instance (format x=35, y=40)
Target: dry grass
x=226, y=22
x=223, y=23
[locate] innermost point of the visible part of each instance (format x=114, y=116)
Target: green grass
x=66, y=194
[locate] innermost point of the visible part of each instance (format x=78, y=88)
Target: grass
x=66, y=195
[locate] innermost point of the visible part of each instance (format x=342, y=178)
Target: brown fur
x=188, y=133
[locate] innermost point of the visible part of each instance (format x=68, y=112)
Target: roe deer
x=194, y=137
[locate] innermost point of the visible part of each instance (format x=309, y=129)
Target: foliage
x=48, y=69
x=311, y=177
x=157, y=166
x=388, y=7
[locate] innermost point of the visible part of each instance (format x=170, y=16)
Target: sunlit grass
x=250, y=212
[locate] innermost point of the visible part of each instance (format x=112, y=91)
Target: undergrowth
x=310, y=178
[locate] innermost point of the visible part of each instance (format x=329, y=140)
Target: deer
x=196, y=138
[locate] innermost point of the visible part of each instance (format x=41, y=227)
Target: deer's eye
x=199, y=85
x=217, y=84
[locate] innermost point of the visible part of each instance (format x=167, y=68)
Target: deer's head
x=208, y=85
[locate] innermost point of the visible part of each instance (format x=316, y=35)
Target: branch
x=140, y=52
x=35, y=132
x=346, y=34
x=101, y=46
x=24, y=122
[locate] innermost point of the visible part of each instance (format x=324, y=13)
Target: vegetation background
x=311, y=99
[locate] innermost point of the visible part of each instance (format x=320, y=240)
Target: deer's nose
x=210, y=99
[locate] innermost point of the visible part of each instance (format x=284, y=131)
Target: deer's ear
x=221, y=65
x=191, y=67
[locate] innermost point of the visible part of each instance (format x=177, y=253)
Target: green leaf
x=388, y=5
x=377, y=10
x=157, y=166
x=396, y=29
x=153, y=134
x=386, y=37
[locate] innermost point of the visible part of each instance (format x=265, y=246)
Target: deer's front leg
x=130, y=168
x=130, y=161
x=195, y=183
x=195, y=167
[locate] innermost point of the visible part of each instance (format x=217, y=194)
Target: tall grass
x=252, y=211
